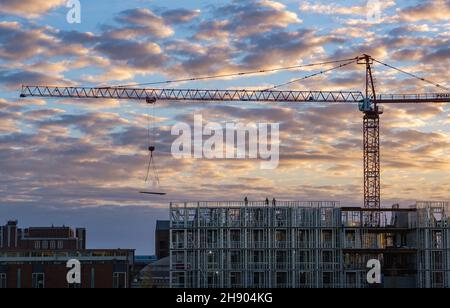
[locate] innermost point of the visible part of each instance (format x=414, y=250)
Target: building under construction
x=275, y=244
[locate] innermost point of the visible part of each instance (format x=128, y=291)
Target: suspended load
x=152, y=172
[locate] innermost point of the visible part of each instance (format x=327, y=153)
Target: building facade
x=37, y=258
x=41, y=238
x=47, y=269
x=307, y=245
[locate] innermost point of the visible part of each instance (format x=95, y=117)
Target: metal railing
x=240, y=204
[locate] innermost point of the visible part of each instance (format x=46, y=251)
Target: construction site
x=308, y=245
x=287, y=244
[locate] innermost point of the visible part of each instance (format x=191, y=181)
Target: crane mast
x=371, y=145
x=368, y=105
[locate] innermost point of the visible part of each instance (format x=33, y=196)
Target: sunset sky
x=82, y=163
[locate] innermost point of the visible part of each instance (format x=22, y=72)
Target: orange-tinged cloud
x=29, y=8
x=431, y=10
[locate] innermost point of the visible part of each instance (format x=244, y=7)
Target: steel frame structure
x=255, y=244
x=294, y=244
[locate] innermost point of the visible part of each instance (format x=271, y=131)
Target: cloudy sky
x=82, y=163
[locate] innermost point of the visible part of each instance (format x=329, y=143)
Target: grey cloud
x=18, y=43
x=140, y=55
x=14, y=79
x=77, y=37
x=430, y=10
x=153, y=24
x=440, y=55
x=256, y=16
x=179, y=16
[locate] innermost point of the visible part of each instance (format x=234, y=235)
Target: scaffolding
x=287, y=244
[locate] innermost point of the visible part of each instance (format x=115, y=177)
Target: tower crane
x=369, y=104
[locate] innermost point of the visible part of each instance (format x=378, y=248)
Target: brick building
x=41, y=238
x=37, y=257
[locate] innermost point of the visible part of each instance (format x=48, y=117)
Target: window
x=258, y=279
x=212, y=258
x=213, y=278
x=327, y=279
x=281, y=279
x=258, y=256
x=119, y=280
x=60, y=244
x=179, y=257
x=179, y=279
x=438, y=260
x=281, y=256
x=281, y=217
x=235, y=256
x=327, y=236
x=44, y=244
x=304, y=279
x=235, y=279
x=258, y=235
x=327, y=256
x=280, y=235
x=303, y=256
x=438, y=279
x=302, y=238
x=52, y=245
x=326, y=217
x=258, y=217
x=234, y=216
x=37, y=244
x=235, y=235
x=178, y=239
x=350, y=278
x=211, y=237
x=2, y=281
x=38, y=280
x=350, y=238
x=437, y=239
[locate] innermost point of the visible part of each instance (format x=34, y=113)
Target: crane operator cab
x=368, y=106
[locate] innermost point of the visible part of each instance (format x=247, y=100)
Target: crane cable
x=235, y=74
x=309, y=76
x=149, y=143
x=412, y=75
x=151, y=162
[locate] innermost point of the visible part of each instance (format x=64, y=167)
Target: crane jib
x=229, y=95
